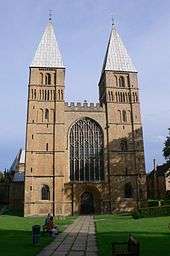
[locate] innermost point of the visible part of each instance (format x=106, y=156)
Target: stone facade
x=47, y=145
x=158, y=182
x=47, y=163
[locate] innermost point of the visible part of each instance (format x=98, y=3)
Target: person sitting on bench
x=47, y=219
x=52, y=228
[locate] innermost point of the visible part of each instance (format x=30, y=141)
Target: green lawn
x=153, y=233
x=16, y=235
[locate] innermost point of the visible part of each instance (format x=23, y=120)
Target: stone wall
x=16, y=196
x=4, y=193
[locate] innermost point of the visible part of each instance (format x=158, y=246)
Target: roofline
x=46, y=67
x=120, y=71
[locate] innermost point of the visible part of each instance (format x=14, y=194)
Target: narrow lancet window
x=47, y=79
x=121, y=81
x=46, y=114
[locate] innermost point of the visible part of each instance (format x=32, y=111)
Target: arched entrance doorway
x=87, y=203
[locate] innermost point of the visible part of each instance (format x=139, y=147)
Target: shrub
x=165, y=202
x=152, y=212
x=152, y=203
x=136, y=214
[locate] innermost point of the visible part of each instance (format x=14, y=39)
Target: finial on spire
x=113, y=21
x=50, y=15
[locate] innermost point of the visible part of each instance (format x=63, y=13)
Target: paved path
x=78, y=239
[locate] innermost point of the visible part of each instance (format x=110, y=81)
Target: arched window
x=48, y=95
x=120, y=116
x=47, y=114
x=46, y=146
x=58, y=94
x=121, y=81
x=112, y=99
x=124, y=145
x=32, y=93
x=45, y=192
x=41, y=78
x=116, y=80
x=47, y=79
x=128, y=190
x=109, y=97
x=43, y=94
x=51, y=94
x=35, y=95
x=126, y=98
x=124, y=116
x=62, y=95
x=123, y=97
x=116, y=97
x=129, y=97
x=86, y=151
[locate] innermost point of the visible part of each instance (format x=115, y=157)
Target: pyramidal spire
x=117, y=57
x=48, y=53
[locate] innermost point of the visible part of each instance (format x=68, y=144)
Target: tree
x=1, y=176
x=166, y=149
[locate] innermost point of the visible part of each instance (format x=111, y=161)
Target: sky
x=82, y=29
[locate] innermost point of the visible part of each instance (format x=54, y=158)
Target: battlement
x=85, y=106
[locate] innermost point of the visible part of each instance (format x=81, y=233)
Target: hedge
x=165, y=202
x=151, y=212
x=152, y=203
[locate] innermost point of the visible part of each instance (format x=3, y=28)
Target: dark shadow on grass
x=19, y=243
x=151, y=243
x=12, y=212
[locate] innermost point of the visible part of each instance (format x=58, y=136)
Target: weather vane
x=50, y=15
x=113, y=20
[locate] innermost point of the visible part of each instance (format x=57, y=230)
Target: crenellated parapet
x=83, y=107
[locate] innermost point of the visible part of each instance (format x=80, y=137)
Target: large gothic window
x=86, y=151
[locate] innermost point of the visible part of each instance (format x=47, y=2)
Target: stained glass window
x=86, y=151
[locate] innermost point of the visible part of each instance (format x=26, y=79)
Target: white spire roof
x=48, y=53
x=117, y=58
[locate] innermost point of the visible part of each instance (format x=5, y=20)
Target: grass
x=152, y=233
x=16, y=235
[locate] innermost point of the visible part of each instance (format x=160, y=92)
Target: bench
x=130, y=248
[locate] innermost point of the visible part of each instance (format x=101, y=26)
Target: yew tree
x=166, y=149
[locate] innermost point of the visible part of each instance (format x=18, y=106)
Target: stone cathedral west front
x=81, y=157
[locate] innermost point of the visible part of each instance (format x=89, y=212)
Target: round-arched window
x=121, y=81
x=45, y=192
x=128, y=190
x=86, y=151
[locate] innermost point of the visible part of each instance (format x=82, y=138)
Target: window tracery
x=86, y=151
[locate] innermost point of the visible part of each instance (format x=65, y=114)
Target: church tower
x=83, y=157
x=119, y=93
x=45, y=163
